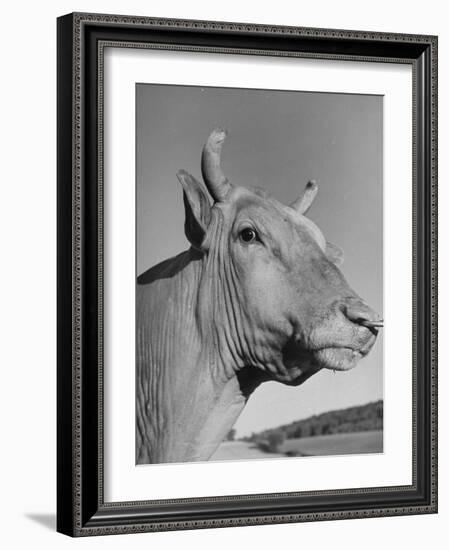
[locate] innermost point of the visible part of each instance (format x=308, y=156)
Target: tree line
x=352, y=419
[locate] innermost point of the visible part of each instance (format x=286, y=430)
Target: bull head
x=271, y=281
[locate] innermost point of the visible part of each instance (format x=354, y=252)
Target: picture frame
x=81, y=506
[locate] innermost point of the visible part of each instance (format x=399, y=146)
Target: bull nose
x=361, y=314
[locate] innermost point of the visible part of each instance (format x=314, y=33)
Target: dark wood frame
x=81, y=509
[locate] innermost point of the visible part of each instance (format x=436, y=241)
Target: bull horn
x=304, y=202
x=216, y=182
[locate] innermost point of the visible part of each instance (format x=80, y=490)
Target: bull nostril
x=360, y=314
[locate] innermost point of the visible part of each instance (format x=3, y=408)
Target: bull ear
x=334, y=253
x=197, y=209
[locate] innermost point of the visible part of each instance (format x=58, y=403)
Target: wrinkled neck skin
x=191, y=382
x=189, y=390
x=198, y=357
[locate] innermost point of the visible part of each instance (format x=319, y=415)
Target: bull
x=257, y=297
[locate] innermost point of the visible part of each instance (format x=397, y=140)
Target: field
x=238, y=450
x=320, y=445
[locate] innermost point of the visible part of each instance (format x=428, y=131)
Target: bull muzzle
x=359, y=313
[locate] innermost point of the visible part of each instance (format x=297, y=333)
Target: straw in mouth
x=372, y=324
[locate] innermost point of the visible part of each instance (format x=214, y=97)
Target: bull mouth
x=301, y=362
x=337, y=358
x=341, y=358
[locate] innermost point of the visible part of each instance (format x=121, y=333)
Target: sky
x=277, y=140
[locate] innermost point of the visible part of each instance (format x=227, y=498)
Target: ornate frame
x=81, y=510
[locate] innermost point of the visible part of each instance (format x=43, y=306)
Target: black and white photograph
x=259, y=274
x=246, y=276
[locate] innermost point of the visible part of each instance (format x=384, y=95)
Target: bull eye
x=248, y=235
